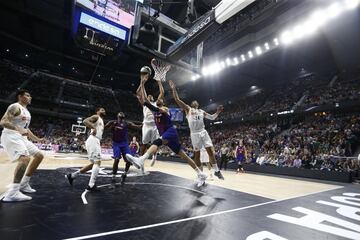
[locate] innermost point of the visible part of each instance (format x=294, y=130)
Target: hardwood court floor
x=272, y=187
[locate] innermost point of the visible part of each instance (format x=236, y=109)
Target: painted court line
x=83, y=195
x=192, y=218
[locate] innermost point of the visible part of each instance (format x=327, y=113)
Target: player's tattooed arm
x=179, y=102
x=89, y=122
x=215, y=115
x=9, y=115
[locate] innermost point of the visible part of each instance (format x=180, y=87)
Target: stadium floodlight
x=236, y=61
x=26, y=55
x=205, y=71
x=319, y=18
x=258, y=50
x=351, y=4
x=334, y=10
x=298, y=31
x=228, y=62
x=195, y=77
x=287, y=37
x=266, y=45
x=7, y=50
x=243, y=57
x=222, y=65
x=251, y=55
x=276, y=41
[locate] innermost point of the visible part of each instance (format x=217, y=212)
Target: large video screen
x=121, y=12
x=176, y=114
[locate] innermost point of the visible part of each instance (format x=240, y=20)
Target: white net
x=160, y=69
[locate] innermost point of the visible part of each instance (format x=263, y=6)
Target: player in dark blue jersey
x=120, y=143
x=168, y=133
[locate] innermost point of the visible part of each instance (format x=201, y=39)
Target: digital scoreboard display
x=121, y=12
x=102, y=26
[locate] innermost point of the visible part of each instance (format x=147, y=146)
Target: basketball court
x=165, y=203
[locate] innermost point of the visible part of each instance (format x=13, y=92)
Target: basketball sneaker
x=137, y=162
x=26, y=188
x=219, y=175
x=123, y=177
x=201, y=179
x=16, y=196
x=69, y=178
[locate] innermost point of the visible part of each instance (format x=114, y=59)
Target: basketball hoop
x=160, y=68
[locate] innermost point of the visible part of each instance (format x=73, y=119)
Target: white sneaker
x=201, y=179
x=16, y=196
x=26, y=188
x=137, y=162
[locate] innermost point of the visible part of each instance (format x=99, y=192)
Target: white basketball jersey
x=148, y=114
x=99, y=126
x=195, y=119
x=22, y=120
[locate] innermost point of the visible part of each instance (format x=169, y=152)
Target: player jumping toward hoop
x=169, y=135
x=199, y=136
x=149, y=131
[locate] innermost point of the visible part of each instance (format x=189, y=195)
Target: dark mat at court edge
x=57, y=210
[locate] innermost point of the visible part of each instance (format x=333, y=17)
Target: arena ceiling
x=42, y=29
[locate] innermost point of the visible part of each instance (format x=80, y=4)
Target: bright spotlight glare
x=276, y=41
x=205, y=71
x=222, y=64
x=309, y=27
x=228, y=62
x=318, y=18
x=194, y=78
x=251, y=55
x=287, y=37
x=351, y=4
x=334, y=10
x=298, y=31
x=266, y=45
x=236, y=61
x=258, y=50
x=243, y=57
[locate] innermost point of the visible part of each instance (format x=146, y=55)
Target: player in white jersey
x=14, y=139
x=199, y=136
x=149, y=130
x=93, y=148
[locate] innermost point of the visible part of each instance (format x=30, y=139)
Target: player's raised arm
x=215, y=115
x=179, y=102
x=109, y=124
x=161, y=89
